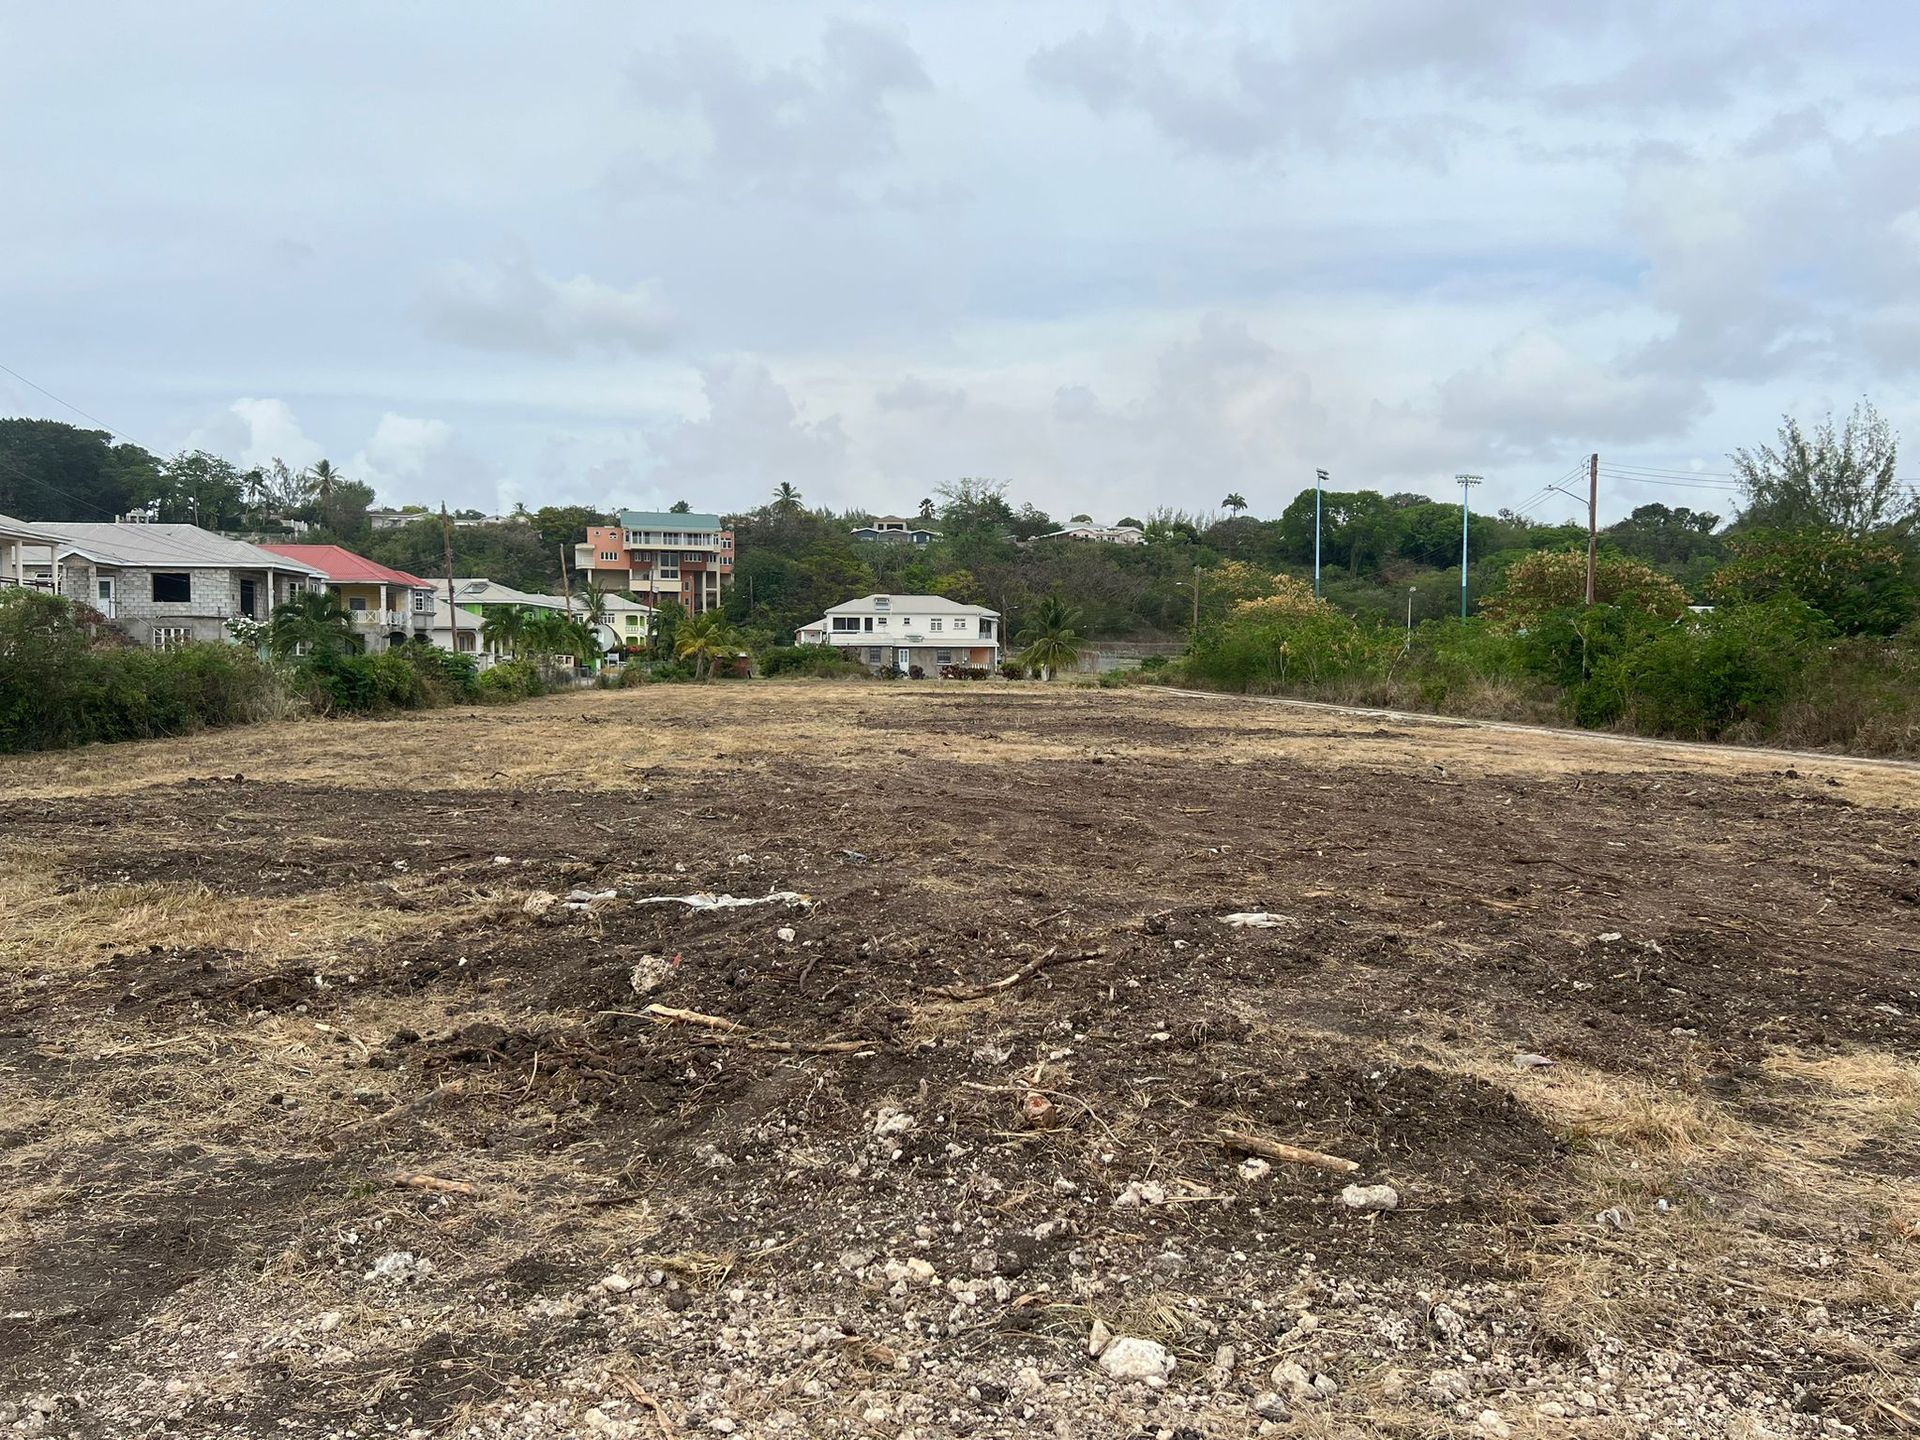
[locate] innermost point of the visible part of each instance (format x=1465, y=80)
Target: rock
x=1370, y=1197
x=1527, y=1060
x=1446, y=1322
x=1613, y=1217
x=1139, y=1193
x=650, y=974
x=1028, y=1381
x=787, y=933
x=1128, y=1357
x=540, y=902
x=854, y=1261
x=1254, y=1168
x=889, y=1123
x=397, y=1267
x=1099, y=1337
x=1168, y=1265
x=1489, y=1423
x=1449, y=1385
x=1225, y=1357
x=616, y=1284
x=329, y=1321
x=1269, y=1406
x=912, y=1271
x=1301, y=1383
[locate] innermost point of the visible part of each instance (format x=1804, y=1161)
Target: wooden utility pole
x=453, y=611
x=1196, y=600
x=566, y=585
x=1593, y=524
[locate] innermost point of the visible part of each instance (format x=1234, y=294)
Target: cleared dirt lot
x=253, y=981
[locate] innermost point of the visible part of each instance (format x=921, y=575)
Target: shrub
x=1550, y=580
x=1708, y=674
x=512, y=680
x=916, y=672
x=1013, y=670
x=445, y=678
x=818, y=660
x=1861, y=587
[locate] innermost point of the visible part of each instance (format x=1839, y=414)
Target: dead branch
x=1006, y=982
x=435, y=1184
x=1241, y=1143
x=406, y=1108
x=669, y=1015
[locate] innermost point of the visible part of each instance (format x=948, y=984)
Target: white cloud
x=753, y=437
x=253, y=432
x=514, y=307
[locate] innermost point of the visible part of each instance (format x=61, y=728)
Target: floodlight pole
x=1467, y=482
x=1319, y=483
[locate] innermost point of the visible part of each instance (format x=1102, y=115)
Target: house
x=660, y=555
x=896, y=530
x=161, y=585
x=387, y=607
x=626, y=622
x=394, y=519
x=1106, y=534
x=900, y=632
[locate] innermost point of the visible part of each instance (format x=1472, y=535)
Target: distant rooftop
x=344, y=567
x=667, y=520
x=147, y=545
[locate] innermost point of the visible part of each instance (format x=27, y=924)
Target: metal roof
x=342, y=566
x=187, y=547
x=667, y=520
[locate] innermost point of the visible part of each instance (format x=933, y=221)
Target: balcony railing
x=382, y=619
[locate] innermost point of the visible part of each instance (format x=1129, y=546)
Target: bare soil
x=249, y=983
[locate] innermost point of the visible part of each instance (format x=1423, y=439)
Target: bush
x=1013, y=670
x=1709, y=674
x=817, y=660
x=65, y=679
x=512, y=680
x=1550, y=580
x=445, y=678
x=915, y=672
x=1861, y=587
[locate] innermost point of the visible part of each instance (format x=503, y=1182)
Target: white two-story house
x=899, y=632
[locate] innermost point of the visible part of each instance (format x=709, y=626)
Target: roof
x=912, y=522
x=668, y=520
x=342, y=565
x=911, y=605
x=187, y=546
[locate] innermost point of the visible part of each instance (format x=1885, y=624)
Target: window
x=632, y=620
x=609, y=554
x=960, y=624
x=357, y=604
x=172, y=587
x=881, y=622
x=844, y=623
x=934, y=625
x=943, y=657
x=875, y=656
x=171, y=637
x=422, y=602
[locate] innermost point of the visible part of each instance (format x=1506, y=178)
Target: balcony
x=383, y=619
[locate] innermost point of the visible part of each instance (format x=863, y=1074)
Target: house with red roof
x=388, y=607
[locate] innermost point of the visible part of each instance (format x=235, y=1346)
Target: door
x=248, y=599
x=104, y=597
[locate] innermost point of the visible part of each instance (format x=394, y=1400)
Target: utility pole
x=566, y=586
x=453, y=611
x=1467, y=482
x=1319, y=483
x=1196, y=600
x=1593, y=525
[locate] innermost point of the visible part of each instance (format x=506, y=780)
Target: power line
x=67, y=403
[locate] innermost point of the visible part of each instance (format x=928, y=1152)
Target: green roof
x=667, y=520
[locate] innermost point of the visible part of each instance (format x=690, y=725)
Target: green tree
x=664, y=634
x=1858, y=586
x=1829, y=480
x=202, y=489
x=680, y=507
x=1049, y=640
x=1235, y=501
x=593, y=603
x=310, y=622
x=1666, y=536
x=504, y=628
x=703, y=640
x=786, y=498
x=53, y=471
x=1548, y=580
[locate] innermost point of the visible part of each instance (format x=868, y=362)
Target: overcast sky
x=1120, y=256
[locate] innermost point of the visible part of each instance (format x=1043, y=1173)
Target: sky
x=1119, y=256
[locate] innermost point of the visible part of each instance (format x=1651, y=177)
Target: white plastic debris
x=707, y=900
x=1139, y=1193
x=1254, y=1168
x=1607, y=937
x=1527, y=1060
x=787, y=934
x=1254, y=920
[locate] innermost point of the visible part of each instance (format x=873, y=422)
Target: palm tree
x=504, y=629
x=1235, y=502
x=1049, y=637
x=703, y=640
x=926, y=509
x=325, y=478
x=550, y=632
x=785, y=497
x=311, y=622
x=593, y=604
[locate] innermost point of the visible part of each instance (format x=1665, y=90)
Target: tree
x=1127, y=522
x=1081, y=520
x=593, y=603
x=322, y=478
x=504, y=628
x=310, y=622
x=1860, y=587
x=202, y=489
x=1828, y=481
x=1049, y=638
x=703, y=640
x=1028, y=521
x=1549, y=580
x=53, y=471
x=681, y=507
x=1666, y=535
x=1235, y=502
x=926, y=509
x=786, y=498
x=553, y=632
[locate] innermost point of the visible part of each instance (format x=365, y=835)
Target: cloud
x=753, y=437
x=512, y=307
x=913, y=393
x=416, y=460
x=252, y=432
x=1537, y=394
x=803, y=130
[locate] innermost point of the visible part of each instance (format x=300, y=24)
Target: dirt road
x=333, y=1102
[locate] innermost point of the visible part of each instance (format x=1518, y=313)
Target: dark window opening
x=248, y=599
x=173, y=587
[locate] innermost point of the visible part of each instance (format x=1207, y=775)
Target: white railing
x=382, y=619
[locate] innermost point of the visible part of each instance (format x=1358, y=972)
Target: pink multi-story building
x=658, y=555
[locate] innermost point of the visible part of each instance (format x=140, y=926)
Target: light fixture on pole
x=1319, y=483
x=1467, y=482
